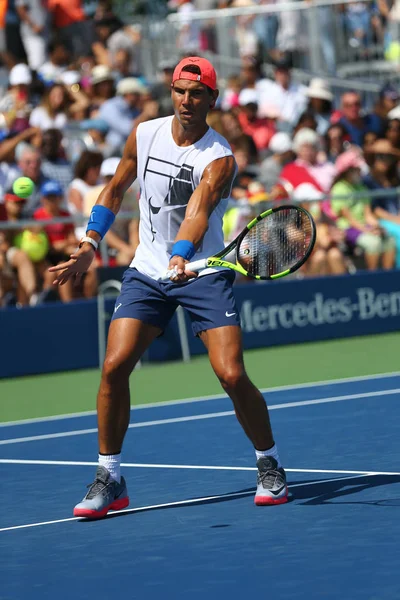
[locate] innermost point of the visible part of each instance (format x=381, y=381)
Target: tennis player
x=185, y=170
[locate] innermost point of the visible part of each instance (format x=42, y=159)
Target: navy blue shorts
x=208, y=299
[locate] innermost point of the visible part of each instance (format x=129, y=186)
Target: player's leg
x=128, y=339
x=141, y=313
x=211, y=305
x=224, y=345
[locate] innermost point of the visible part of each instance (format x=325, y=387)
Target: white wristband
x=86, y=238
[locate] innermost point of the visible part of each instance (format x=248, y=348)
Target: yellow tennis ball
x=23, y=187
x=36, y=245
x=392, y=53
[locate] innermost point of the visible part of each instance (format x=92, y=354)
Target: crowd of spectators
x=349, y=31
x=72, y=101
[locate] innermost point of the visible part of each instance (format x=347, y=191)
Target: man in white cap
x=124, y=112
x=321, y=99
x=15, y=104
x=270, y=169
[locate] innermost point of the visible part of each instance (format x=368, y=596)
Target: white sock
x=112, y=462
x=270, y=452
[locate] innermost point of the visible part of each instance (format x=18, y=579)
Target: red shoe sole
x=267, y=500
x=98, y=514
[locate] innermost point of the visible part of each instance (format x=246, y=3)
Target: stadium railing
x=316, y=33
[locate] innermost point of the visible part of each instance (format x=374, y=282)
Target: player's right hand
x=75, y=267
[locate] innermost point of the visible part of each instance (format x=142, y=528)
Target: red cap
x=208, y=75
x=11, y=197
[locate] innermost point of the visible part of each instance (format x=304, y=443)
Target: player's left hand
x=177, y=264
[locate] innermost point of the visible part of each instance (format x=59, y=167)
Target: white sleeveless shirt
x=168, y=174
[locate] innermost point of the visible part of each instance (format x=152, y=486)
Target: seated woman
x=59, y=104
x=384, y=176
x=351, y=206
x=327, y=257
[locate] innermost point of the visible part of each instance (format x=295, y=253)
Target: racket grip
x=196, y=265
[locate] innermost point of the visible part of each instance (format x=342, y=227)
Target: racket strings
x=276, y=243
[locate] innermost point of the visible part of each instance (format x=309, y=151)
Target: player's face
x=192, y=101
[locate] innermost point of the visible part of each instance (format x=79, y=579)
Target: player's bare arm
x=214, y=185
x=111, y=198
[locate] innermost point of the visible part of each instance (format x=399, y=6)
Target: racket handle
x=196, y=265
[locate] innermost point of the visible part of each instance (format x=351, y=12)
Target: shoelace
x=95, y=488
x=268, y=478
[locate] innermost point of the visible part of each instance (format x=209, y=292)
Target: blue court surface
x=192, y=530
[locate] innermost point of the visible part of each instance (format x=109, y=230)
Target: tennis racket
x=274, y=244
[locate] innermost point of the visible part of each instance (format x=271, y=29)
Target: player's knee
x=231, y=376
x=115, y=368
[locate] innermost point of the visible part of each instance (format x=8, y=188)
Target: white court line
x=179, y=503
x=49, y=436
x=208, y=398
x=75, y=463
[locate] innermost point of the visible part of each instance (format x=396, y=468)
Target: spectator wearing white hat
x=103, y=85
x=270, y=169
x=306, y=168
x=15, y=106
x=320, y=103
x=125, y=111
x=123, y=237
x=34, y=31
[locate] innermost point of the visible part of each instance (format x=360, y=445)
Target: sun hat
x=20, y=75
x=351, y=159
x=383, y=147
x=319, y=88
x=109, y=166
x=101, y=73
x=248, y=96
x=280, y=143
x=305, y=136
x=131, y=85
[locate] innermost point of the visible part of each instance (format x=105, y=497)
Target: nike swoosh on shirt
x=154, y=209
x=229, y=314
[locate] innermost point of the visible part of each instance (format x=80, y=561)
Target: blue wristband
x=100, y=220
x=183, y=248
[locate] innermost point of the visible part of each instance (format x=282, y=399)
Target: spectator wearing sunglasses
x=355, y=123
x=384, y=176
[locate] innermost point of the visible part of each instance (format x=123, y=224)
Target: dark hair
x=341, y=176
x=326, y=105
x=87, y=160
x=196, y=70
x=307, y=114
x=327, y=138
x=390, y=122
x=55, y=43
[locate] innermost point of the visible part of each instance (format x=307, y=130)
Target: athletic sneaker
x=271, y=483
x=104, y=494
